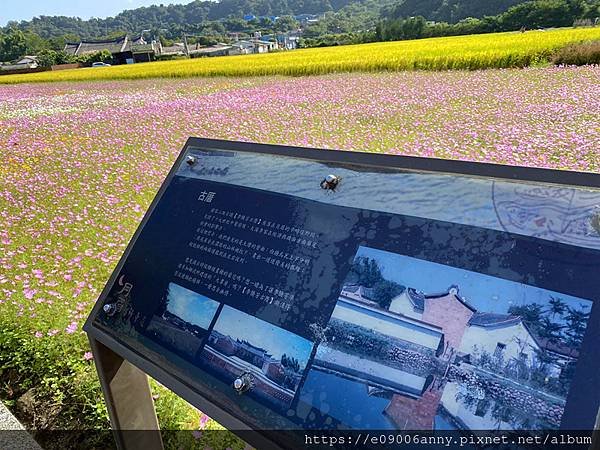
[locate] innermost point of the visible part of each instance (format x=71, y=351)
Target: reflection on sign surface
x=397, y=300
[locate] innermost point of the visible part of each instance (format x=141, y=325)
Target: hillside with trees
x=395, y=25
x=171, y=20
x=339, y=22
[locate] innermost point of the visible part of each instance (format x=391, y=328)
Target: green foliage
x=332, y=40
x=576, y=323
x=579, y=55
x=365, y=271
x=557, y=322
x=522, y=16
x=290, y=362
x=48, y=57
x=90, y=58
x=451, y=11
x=531, y=314
x=63, y=393
x=62, y=389
x=384, y=291
x=401, y=29
x=13, y=44
x=286, y=23
x=172, y=20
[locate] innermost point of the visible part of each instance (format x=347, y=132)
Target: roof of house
x=27, y=58
x=197, y=49
x=557, y=347
x=358, y=289
x=118, y=45
x=259, y=351
x=173, y=49
x=114, y=46
x=71, y=47
x=485, y=319
x=416, y=298
x=452, y=290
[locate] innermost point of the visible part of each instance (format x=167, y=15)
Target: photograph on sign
x=276, y=359
x=433, y=346
x=184, y=322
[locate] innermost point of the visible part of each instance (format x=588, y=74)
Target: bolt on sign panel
x=291, y=288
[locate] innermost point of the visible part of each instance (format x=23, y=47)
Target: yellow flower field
x=497, y=50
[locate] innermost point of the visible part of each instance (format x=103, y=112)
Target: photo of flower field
x=81, y=162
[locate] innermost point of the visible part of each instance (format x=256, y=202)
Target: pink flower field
x=82, y=162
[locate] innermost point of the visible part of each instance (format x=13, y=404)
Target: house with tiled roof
x=447, y=310
x=502, y=336
x=468, y=331
x=358, y=292
x=197, y=50
x=123, y=49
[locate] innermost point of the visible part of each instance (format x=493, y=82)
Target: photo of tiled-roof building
x=465, y=328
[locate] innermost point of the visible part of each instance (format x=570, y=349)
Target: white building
x=410, y=303
x=27, y=62
x=388, y=323
x=500, y=335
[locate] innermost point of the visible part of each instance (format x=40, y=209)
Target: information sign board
x=282, y=288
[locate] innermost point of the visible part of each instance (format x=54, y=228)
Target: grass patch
x=578, y=54
x=56, y=392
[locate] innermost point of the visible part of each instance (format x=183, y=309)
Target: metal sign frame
x=122, y=371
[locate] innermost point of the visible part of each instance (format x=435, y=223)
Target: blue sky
x=190, y=306
x=484, y=292
x=259, y=333
x=25, y=10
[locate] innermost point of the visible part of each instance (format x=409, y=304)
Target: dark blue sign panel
x=294, y=293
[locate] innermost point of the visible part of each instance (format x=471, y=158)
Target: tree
x=549, y=330
x=365, y=271
x=384, y=291
x=12, y=45
x=101, y=56
x=47, y=58
x=286, y=23
x=290, y=362
x=576, y=320
x=531, y=314
x=557, y=306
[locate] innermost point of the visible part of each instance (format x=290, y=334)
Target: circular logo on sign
x=562, y=214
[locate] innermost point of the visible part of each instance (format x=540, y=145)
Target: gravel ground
x=12, y=434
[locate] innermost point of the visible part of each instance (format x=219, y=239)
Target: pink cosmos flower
x=197, y=434
x=204, y=419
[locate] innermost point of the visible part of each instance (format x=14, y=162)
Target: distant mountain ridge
x=451, y=10
x=157, y=16
x=180, y=17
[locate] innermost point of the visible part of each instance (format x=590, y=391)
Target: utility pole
x=185, y=45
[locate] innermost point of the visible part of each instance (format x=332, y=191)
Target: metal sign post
x=128, y=400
